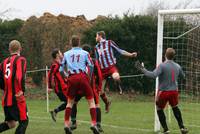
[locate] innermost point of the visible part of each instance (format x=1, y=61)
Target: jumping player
x=56, y=81
x=105, y=56
x=167, y=73
x=76, y=60
x=13, y=100
x=96, y=83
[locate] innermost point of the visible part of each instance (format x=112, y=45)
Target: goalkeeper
x=167, y=73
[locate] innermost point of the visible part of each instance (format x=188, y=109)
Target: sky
x=90, y=8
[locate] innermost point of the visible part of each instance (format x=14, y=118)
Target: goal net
x=180, y=29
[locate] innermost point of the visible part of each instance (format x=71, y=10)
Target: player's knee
x=70, y=103
x=12, y=124
x=91, y=103
x=116, y=76
x=97, y=106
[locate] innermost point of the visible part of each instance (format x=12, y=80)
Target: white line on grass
x=46, y=119
x=192, y=126
x=106, y=125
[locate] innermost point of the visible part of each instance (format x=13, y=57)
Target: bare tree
x=183, y=5
x=156, y=5
x=4, y=14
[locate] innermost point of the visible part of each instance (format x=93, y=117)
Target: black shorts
x=13, y=113
x=62, y=97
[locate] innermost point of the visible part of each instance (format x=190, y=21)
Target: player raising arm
x=76, y=61
x=13, y=100
x=105, y=56
x=56, y=81
x=167, y=73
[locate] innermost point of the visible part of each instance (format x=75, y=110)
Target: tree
x=154, y=6
x=8, y=31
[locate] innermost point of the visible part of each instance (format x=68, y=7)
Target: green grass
x=126, y=117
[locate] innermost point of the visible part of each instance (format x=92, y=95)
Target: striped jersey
x=54, y=76
x=104, y=53
x=14, y=69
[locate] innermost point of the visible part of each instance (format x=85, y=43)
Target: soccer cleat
x=184, y=131
x=166, y=132
x=67, y=130
x=73, y=126
x=95, y=129
x=100, y=128
x=107, y=106
x=53, y=115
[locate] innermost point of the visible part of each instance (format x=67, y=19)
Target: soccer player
x=13, y=100
x=96, y=83
x=76, y=61
x=105, y=56
x=167, y=73
x=56, y=81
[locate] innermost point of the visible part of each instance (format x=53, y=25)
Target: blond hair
x=14, y=46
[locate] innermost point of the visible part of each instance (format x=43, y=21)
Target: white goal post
x=161, y=38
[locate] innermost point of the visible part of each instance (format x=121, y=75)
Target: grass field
x=126, y=117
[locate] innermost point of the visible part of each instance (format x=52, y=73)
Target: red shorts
x=109, y=71
x=79, y=83
x=167, y=96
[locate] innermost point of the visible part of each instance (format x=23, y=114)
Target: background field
x=128, y=115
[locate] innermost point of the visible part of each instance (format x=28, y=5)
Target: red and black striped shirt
x=55, y=76
x=96, y=77
x=14, y=69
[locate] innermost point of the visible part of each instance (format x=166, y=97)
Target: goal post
x=180, y=29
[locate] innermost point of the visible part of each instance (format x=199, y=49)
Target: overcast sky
x=90, y=8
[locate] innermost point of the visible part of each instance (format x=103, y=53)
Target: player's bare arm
x=131, y=55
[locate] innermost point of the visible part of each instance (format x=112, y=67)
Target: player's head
x=15, y=47
x=88, y=48
x=56, y=53
x=170, y=53
x=100, y=35
x=75, y=41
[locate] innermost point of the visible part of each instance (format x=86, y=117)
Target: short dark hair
x=87, y=48
x=102, y=34
x=75, y=40
x=54, y=53
x=170, y=53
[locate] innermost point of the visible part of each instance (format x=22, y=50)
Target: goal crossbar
x=179, y=11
